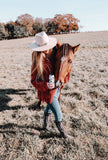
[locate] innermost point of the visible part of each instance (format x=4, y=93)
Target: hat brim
x=52, y=42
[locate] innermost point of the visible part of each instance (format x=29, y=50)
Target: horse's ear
x=58, y=45
x=75, y=48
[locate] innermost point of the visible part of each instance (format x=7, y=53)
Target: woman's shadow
x=9, y=127
x=5, y=99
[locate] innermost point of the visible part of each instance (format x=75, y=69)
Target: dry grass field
x=84, y=103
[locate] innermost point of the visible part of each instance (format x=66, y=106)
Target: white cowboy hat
x=43, y=42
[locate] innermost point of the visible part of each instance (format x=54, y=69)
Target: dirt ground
x=84, y=103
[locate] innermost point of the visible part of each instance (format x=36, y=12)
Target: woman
x=41, y=70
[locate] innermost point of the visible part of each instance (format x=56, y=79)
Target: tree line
x=25, y=25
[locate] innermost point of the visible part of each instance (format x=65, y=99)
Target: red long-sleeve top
x=44, y=94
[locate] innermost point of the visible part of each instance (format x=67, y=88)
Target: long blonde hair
x=37, y=60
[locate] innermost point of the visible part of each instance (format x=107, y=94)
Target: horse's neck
x=52, y=58
x=55, y=63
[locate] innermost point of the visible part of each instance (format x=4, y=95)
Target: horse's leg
x=38, y=105
x=59, y=96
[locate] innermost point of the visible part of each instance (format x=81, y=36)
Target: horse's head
x=64, y=61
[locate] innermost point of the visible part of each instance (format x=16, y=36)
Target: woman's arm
x=39, y=85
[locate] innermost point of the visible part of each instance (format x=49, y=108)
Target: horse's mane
x=52, y=57
x=63, y=50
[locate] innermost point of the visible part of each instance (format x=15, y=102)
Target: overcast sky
x=93, y=14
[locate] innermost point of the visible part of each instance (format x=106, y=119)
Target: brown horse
x=64, y=60
x=63, y=65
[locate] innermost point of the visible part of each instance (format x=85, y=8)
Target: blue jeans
x=55, y=106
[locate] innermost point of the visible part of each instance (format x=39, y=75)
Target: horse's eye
x=69, y=61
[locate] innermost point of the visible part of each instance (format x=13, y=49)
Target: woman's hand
x=50, y=85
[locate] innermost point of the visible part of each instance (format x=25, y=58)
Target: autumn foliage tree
x=27, y=21
x=65, y=23
x=60, y=23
